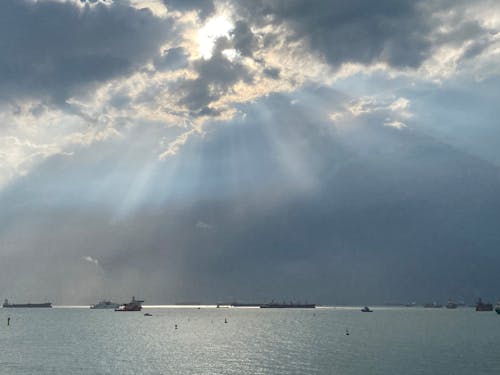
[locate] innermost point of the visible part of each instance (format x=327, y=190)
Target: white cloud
x=202, y=225
x=89, y=259
x=395, y=124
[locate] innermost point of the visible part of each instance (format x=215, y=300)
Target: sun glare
x=208, y=34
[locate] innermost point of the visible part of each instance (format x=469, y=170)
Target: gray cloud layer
x=50, y=49
x=360, y=31
x=203, y=7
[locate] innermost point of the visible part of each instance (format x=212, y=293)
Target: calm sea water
x=387, y=341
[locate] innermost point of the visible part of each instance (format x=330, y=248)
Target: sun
x=207, y=36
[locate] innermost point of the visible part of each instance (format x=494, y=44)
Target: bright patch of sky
x=215, y=28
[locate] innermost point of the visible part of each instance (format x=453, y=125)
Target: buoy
x=8, y=321
x=176, y=326
x=225, y=320
x=346, y=332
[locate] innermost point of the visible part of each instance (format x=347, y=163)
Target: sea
x=253, y=341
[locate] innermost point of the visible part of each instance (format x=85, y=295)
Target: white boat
x=104, y=304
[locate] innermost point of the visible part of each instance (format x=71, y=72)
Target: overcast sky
x=333, y=151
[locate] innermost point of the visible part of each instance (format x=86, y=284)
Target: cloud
x=394, y=32
x=244, y=39
x=53, y=49
x=215, y=77
x=89, y=259
x=203, y=7
x=395, y=124
x=202, y=225
x=171, y=59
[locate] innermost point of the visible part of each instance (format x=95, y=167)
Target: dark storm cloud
x=203, y=7
x=171, y=59
x=215, y=77
x=244, y=39
x=273, y=73
x=361, y=31
x=49, y=49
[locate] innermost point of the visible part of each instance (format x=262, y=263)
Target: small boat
x=482, y=306
x=366, y=309
x=134, y=305
x=148, y=314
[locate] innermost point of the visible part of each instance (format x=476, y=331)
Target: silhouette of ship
x=481, y=306
x=6, y=304
x=291, y=305
x=134, y=305
x=451, y=304
x=104, y=304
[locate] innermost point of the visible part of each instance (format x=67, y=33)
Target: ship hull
x=484, y=307
x=27, y=305
x=134, y=305
x=289, y=306
x=126, y=310
x=105, y=305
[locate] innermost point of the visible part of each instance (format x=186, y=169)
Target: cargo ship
x=245, y=304
x=481, y=306
x=6, y=304
x=134, y=305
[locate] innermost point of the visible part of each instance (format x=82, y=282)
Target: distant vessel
x=434, y=305
x=481, y=306
x=6, y=304
x=245, y=304
x=366, y=309
x=104, y=304
x=451, y=304
x=134, y=305
x=290, y=305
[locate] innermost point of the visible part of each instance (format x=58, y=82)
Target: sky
x=329, y=151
